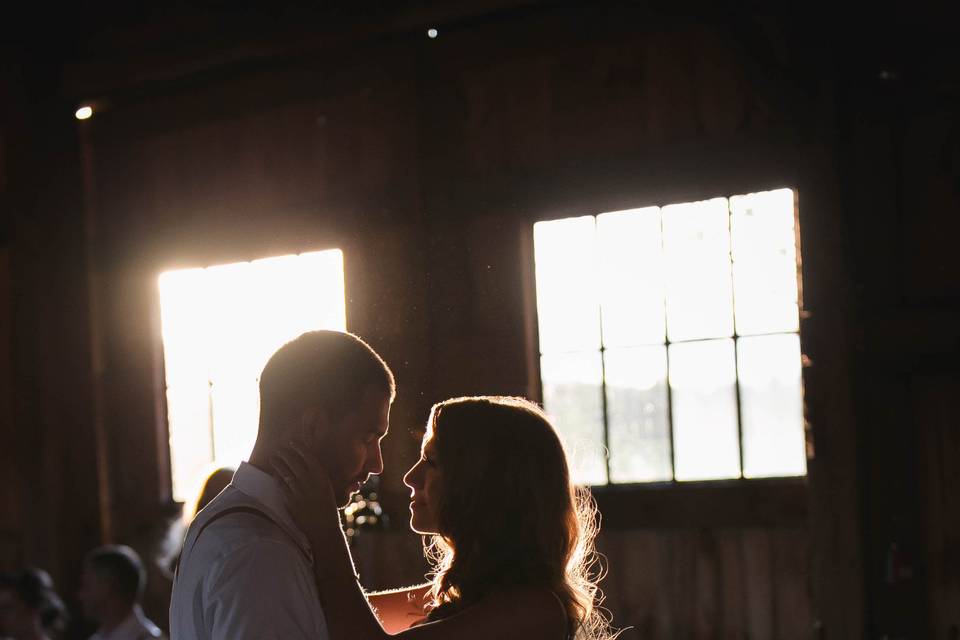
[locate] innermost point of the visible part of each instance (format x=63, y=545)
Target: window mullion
x=666, y=348
x=736, y=338
x=603, y=376
x=210, y=420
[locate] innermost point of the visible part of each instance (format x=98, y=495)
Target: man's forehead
x=375, y=408
x=375, y=396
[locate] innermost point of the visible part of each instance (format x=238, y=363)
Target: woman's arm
x=525, y=613
x=398, y=609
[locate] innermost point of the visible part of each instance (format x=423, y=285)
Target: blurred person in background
x=30, y=609
x=111, y=587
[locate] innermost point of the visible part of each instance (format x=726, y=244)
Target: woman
x=512, y=539
x=29, y=607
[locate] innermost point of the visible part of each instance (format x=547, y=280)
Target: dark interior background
x=233, y=131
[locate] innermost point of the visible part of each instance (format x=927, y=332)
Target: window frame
x=741, y=501
x=162, y=397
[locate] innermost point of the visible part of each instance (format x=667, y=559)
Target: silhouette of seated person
x=30, y=609
x=215, y=482
x=110, y=591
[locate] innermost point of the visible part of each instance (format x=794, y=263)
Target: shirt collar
x=266, y=490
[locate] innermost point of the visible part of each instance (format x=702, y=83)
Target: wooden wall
x=938, y=457
x=902, y=143
x=9, y=494
x=426, y=161
x=49, y=471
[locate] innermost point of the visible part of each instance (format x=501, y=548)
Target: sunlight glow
x=771, y=406
x=567, y=303
x=696, y=243
x=764, y=262
x=631, y=259
x=704, y=394
x=220, y=325
x=637, y=414
x=665, y=326
x=573, y=398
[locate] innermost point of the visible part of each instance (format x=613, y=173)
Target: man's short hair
x=119, y=566
x=329, y=370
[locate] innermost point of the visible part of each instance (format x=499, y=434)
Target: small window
x=669, y=340
x=220, y=325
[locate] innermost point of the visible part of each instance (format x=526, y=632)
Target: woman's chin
x=424, y=529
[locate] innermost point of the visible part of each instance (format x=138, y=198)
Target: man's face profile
x=349, y=448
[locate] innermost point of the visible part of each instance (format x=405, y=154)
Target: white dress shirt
x=136, y=626
x=246, y=577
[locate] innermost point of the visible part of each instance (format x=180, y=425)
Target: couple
x=512, y=538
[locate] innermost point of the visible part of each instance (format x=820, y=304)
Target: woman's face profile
x=424, y=482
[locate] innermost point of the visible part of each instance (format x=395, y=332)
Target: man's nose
x=375, y=460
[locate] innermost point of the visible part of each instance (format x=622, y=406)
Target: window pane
x=764, y=262
x=696, y=241
x=567, y=302
x=231, y=304
x=188, y=414
x=220, y=325
x=236, y=414
x=637, y=413
x=312, y=296
x=572, y=397
x=631, y=277
x=703, y=388
x=184, y=322
x=771, y=406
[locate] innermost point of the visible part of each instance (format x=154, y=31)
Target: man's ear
x=314, y=428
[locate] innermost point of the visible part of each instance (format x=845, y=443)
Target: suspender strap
x=227, y=512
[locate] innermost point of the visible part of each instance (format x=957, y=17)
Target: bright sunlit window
x=220, y=325
x=669, y=344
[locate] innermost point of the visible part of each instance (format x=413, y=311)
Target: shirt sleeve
x=263, y=591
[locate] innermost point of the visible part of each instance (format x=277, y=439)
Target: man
x=110, y=589
x=246, y=569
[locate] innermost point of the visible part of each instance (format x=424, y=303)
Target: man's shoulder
x=232, y=514
x=235, y=524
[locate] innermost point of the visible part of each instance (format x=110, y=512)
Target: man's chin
x=345, y=496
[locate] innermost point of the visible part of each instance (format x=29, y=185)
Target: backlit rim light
x=220, y=324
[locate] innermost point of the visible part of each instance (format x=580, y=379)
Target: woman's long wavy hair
x=508, y=514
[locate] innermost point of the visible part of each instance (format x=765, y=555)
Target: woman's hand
x=309, y=492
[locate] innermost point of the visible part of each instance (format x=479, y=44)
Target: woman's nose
x=410, y=478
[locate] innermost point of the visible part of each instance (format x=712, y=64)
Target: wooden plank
x=681, y=583
x=11, y=528
x=790, y=579
x=707, y=622
x=934, y=404
x=758, y=583
x=733, y=600
x=632, y=589
x=737, y=503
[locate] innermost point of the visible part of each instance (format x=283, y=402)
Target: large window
x=220, y=325
x=669, y=346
